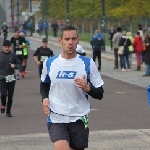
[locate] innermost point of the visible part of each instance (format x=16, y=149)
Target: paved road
x=120, y=121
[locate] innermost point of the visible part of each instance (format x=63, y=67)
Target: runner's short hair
x=67, y=28
x=16, y=30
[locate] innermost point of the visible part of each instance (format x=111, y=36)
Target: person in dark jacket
x=55, y=28
x=115, y=40
x=41, y=54
x=97, y=42
x=111, y=34
x=4, y=30
x=8, y=63
x=126, y=42
x=146, y=55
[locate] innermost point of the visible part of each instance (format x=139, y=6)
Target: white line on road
x=130, y=139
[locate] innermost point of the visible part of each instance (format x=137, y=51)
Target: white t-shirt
x=80, y=49
x=141, y=34
x=69, y=103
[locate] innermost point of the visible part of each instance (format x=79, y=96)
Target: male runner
x=4, y=30
x=42, y=53
x=25, y=53
x=8, y=62
x=17, y=41
x=67, y=80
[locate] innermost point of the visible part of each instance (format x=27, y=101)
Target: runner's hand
x=38, y=62
x=12, y=65
x=20, y=46
x=45, y=106
x=82, y=83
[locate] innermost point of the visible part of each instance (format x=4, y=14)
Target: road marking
x=93, y=109
x=120, y=92
x=134, y=139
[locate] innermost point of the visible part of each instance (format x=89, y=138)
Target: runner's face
x=6, y=49
x=44, y=44
x=69, y=42
x=17, y=33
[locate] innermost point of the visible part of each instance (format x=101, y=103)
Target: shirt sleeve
x=36, y=53
x=24, y=40
x=95, y=79
x=51, y=53
x=45, y=76
x=11, y=40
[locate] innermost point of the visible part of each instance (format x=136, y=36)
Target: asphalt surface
x=119, y=121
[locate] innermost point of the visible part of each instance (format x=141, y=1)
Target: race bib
x=43, y=58
x=85, y=120
x=10, y=78
x=18, y=52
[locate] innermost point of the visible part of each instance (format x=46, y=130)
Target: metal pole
x=67, y=12
x=46, y=26
x=30, y=5
x=12, y=15
x=103, y=22
x=18, y=13
x=31, y=19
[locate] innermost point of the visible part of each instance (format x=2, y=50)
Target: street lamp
x=103, y=22
x=18, y=13
x=12, y=15
x=67, y=11
x=46, y=22
x=31, y=20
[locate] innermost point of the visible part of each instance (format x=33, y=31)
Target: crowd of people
x=138, y=45
x=43, y=26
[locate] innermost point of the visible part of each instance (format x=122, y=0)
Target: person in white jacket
x=80, y=50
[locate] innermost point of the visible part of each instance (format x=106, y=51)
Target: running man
x=17, y=41
x=67, y=80
x=26, y=46
x=4, y=30
x=41, y=54
x=8, y=62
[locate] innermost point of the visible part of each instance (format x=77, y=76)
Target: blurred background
x=86, y=15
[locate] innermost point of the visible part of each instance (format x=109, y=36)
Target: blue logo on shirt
x=66, y=74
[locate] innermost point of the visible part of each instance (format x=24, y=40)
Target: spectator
x=131, y=48
x=45, y=27
x=137, y=44
x=115, y=40
x=111, y=34
x=126, y=42
x=97, y=42
x=40, y=28
x=55, y=28
x=146, y=55
x=22, y=30
x=140, y=29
